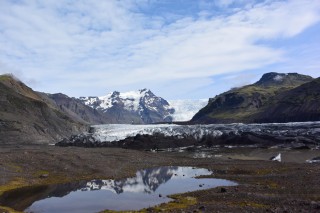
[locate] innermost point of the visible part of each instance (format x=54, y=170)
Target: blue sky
x=180, y=49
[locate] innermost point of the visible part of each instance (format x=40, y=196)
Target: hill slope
x=299, y=104
x=27, y=117
x=253, y=103
x=76, y=109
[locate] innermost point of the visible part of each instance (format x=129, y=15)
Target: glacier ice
x=117, y=132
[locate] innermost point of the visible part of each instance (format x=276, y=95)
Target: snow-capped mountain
x=136, y=107
x=143, y=107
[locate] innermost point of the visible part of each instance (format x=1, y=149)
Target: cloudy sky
x=180, y=49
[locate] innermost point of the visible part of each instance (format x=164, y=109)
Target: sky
x=180, y=49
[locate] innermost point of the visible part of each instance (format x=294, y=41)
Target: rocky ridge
x=77, y=109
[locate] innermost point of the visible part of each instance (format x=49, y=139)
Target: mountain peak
x=115, y=94
x=283, y=79
x=18, y=86
x=59, y=95
x=140, y=106
x=9, y=76
x=144, y=90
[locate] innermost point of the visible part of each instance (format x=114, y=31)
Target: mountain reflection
x=147, y=181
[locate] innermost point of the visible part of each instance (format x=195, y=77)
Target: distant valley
x=27, y=116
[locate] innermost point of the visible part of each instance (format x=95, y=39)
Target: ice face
x=116, y=132
x=186, y=109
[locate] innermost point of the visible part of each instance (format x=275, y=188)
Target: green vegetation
x=179, y=202
x=40, y=172
x=256, y=102
x=5, y=77
x=4, y=209
x=16, y=183
x=250, y=204
x=231, y=114
x=15, y=167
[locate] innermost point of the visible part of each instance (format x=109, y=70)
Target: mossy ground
x=4, y=209
x=179, y=202
x=13, y=184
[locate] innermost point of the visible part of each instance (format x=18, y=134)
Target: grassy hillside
x=247, y=103
x=299, y=104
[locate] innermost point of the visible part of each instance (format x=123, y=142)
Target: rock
x=315, y=205
x=314, y=160
x=276, y=158
x=202, y=208
x=300, y=146
x=44, y=176
x=160, y=195
x=223, y=190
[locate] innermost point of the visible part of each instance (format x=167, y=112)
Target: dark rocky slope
x=254, y=103
x=28, y=117
x=76, y=109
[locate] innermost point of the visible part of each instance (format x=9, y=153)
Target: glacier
x=117, y=132
x=184, y=110
x=305, y=135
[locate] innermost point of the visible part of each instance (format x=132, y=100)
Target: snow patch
x=278, y=78
x=130, y=100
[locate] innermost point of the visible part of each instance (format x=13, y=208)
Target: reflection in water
x=134, y=193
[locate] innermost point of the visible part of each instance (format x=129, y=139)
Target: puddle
x=148, y=188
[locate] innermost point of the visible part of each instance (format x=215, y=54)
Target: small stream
x=148, y=188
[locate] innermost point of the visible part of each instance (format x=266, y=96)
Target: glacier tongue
x=184, y=110
x=117, y=132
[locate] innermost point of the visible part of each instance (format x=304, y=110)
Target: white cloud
x=113, y=44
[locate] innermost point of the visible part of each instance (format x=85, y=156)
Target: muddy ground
x=264, y=186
